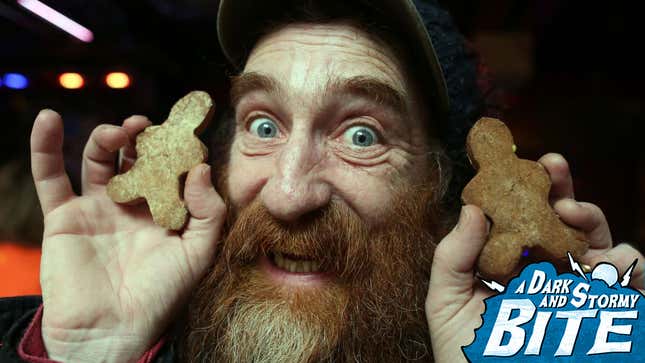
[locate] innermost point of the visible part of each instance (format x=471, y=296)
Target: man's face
x=329, y=183
x=323, y=112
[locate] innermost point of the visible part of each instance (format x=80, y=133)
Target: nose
x=296, y=187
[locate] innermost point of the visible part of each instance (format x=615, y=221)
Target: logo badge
x=543, y=316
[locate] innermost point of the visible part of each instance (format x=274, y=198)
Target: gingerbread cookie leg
x=500, y=255
x=166, y=207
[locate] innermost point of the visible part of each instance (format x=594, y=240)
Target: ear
x=192, y=111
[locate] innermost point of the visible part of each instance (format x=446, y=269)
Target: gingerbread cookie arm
x=470, y=194
x=124, y=188
x=192, y=111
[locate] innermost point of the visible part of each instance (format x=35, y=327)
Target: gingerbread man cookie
x=514, y=194
x=164, y=154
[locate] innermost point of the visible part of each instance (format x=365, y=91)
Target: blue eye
x=362, y=136
x=264, y=127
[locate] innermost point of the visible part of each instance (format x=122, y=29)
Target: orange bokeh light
x=117, y=80
x=71, y=80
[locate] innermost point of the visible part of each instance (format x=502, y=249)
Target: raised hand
x=455, y=297
x=589, y=218
x=112, y=279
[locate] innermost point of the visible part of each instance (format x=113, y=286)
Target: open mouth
x=293, y=270
x=294, y=264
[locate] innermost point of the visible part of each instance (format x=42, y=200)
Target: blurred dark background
x=571, y=74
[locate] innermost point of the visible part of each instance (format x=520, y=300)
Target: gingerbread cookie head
x=514, y=195
x=165, y=154
x=489, y=142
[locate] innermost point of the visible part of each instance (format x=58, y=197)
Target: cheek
x=247, y=176
x=373, y=191
x=368, y=192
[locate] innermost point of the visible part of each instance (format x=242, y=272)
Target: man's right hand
x=111, y=279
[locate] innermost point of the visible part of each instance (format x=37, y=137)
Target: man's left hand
x=455, y=298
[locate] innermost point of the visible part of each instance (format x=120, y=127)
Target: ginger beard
x=369, y=309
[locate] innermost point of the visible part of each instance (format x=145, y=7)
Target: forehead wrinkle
x=371, y=52
x=321, y=36
x=316, y=45
x=386, y=72
x=308, y=28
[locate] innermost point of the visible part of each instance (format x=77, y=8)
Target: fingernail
x=206, y=171
x=573, y=203
x=42, y=111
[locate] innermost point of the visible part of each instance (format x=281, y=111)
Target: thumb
x=452, y=305
x=207, y=214
x=456, y=255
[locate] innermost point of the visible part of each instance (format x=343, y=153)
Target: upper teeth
x=290, y=265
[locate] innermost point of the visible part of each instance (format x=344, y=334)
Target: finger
x=558, y=168
x=622, y=256
x=456, y=255
x=47, y=163
x=132, y=125
x=587, y=217
x=207, y=214
x=99, y=156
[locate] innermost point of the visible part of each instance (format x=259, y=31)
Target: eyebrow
x=372, y=88
x=249, y=82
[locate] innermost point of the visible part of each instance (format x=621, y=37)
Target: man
x=318, y=242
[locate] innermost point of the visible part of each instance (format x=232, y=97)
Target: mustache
x=335, y=236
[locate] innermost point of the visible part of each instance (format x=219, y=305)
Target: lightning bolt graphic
x=494, y=285
x=628, y=274
x=576, y=267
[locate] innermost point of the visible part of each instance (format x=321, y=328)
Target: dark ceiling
x=166, y=40
x=585, y=97
x=178, y=38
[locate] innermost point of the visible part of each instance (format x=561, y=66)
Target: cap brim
x=239, y=21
